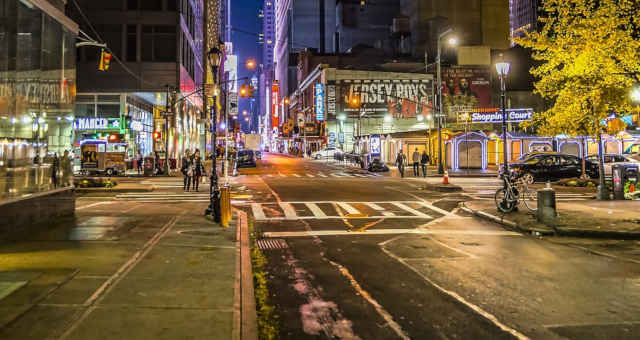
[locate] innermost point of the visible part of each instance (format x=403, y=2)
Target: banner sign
x=466, y=86
x=275, y=100
x=331, y=100
x=319, y=100
x=399, y=98
x=374, y=141
x=513, y=116
x=96, y=124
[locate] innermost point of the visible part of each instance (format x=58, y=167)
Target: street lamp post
x=503, y=70
x=214, y=191
x=452, y=41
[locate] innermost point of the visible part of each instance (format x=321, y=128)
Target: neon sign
x=319, y=92
x=96, y=124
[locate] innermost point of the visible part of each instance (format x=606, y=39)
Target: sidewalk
x=592, y=218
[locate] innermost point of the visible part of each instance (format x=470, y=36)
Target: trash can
x=622, y=174
x=149, y=166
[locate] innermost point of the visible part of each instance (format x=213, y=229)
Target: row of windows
x=157, y=43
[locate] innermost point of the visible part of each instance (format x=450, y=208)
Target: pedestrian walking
x=198, y=169
x=139, y=162
x=187, y=170
x=67, y=169
x=415, y=158
x=401, y=159
x=424, y=161
x=55, y=166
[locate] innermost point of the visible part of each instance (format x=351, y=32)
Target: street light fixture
x=635, y=94
x=251, y=64
x=214, y=55
x=503, y=70
x=452, y=41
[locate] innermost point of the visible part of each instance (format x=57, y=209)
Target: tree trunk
x=604, y=191
x=584, y=158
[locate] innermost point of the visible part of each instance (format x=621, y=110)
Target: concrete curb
x=565, y=232
x=245, y=324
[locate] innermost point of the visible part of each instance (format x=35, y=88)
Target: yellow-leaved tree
x=588, y=54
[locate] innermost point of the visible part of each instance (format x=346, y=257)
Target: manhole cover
x=199, y=232
x=272, y=243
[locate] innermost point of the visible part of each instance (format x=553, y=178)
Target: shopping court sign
x=495, y=116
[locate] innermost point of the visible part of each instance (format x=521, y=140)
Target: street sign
x=513, y=116
x=332, y=138
x=233, y=101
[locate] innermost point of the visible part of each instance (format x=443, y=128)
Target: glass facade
x=37, y=97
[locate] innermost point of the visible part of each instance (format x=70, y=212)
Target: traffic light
x=244, y=92
x=114, y=138
x=105, y=60
x=157, y=135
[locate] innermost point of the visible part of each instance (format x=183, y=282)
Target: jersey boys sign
x=400, y=98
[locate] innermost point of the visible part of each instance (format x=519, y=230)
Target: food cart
x=102, y=157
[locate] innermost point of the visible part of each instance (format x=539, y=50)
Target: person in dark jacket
x=55, y=167
x=424, y=160
x=401, y=159
x=198, y=169
x=186, y=170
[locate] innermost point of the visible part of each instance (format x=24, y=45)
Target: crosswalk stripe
x=409, y=209
x=315, y=210
x=336, y=175
x=269, y=175
x=310, y=175
x=348, y=208
x=282, y=175
x=321, y=174
x=434, y=208
x=375, y=206
x=289, y=212
x=360, y=175
x=258, y=213
x=297, y=175
x=390, y=231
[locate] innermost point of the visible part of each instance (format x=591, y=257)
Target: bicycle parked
x=514, y=191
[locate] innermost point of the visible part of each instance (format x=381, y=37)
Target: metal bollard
x=225, y=205
x=547, y=211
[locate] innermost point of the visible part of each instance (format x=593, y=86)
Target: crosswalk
x=320, y=210
x=487, y=192
x=186, y=197
x=320, y=175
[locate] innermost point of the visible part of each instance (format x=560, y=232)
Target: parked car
x=612, y=159
x=246, y=159
x=552, y=167
x=377, y=166
x=327, y=152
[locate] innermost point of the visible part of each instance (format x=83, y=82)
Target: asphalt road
x=355, y=256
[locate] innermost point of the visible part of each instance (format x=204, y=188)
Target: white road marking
x=411, y=210
x=390, y=231
x=269, y=175
x=296, y=175
x=282, y=175
x=375, y=206
x=258, y=213
x=310, y=175
x=321, y=174
x=388, y=213
x=336, y=175
x=456, y=296
x=94, y=204
x=434, y=208
x=349, y=209
x=289, y=212
x=315, y=210
x=381, y=311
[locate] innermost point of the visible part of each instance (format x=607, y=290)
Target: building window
x=132, y=5
x=159, y=43
x=132, y=50
x=151, y=5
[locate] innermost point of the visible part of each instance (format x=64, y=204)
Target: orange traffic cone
x=445, y=178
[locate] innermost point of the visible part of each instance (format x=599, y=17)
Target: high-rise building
x=523, y=16
x=265, y=80
x=476, y=22
x=157, y=51
x=367, y=23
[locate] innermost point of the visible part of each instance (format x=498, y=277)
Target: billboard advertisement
x=399, y=98
x=275, y=91
x=466, y=86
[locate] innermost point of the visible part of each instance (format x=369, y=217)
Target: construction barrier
x=225, y=205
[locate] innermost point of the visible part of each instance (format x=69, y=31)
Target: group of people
x=419, y=161
x=192, y=169
x=60, y=167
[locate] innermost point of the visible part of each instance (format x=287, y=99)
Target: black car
x=246, y=159
x=551, y=167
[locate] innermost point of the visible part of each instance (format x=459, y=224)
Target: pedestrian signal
x=157, y=135
x=105, y=60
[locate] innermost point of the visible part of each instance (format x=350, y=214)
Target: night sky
x=244, y=17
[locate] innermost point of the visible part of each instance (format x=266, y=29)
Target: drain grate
x=272, y=243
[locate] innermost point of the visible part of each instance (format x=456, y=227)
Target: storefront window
x=37, y=87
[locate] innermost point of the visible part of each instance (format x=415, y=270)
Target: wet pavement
x=346, y=262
